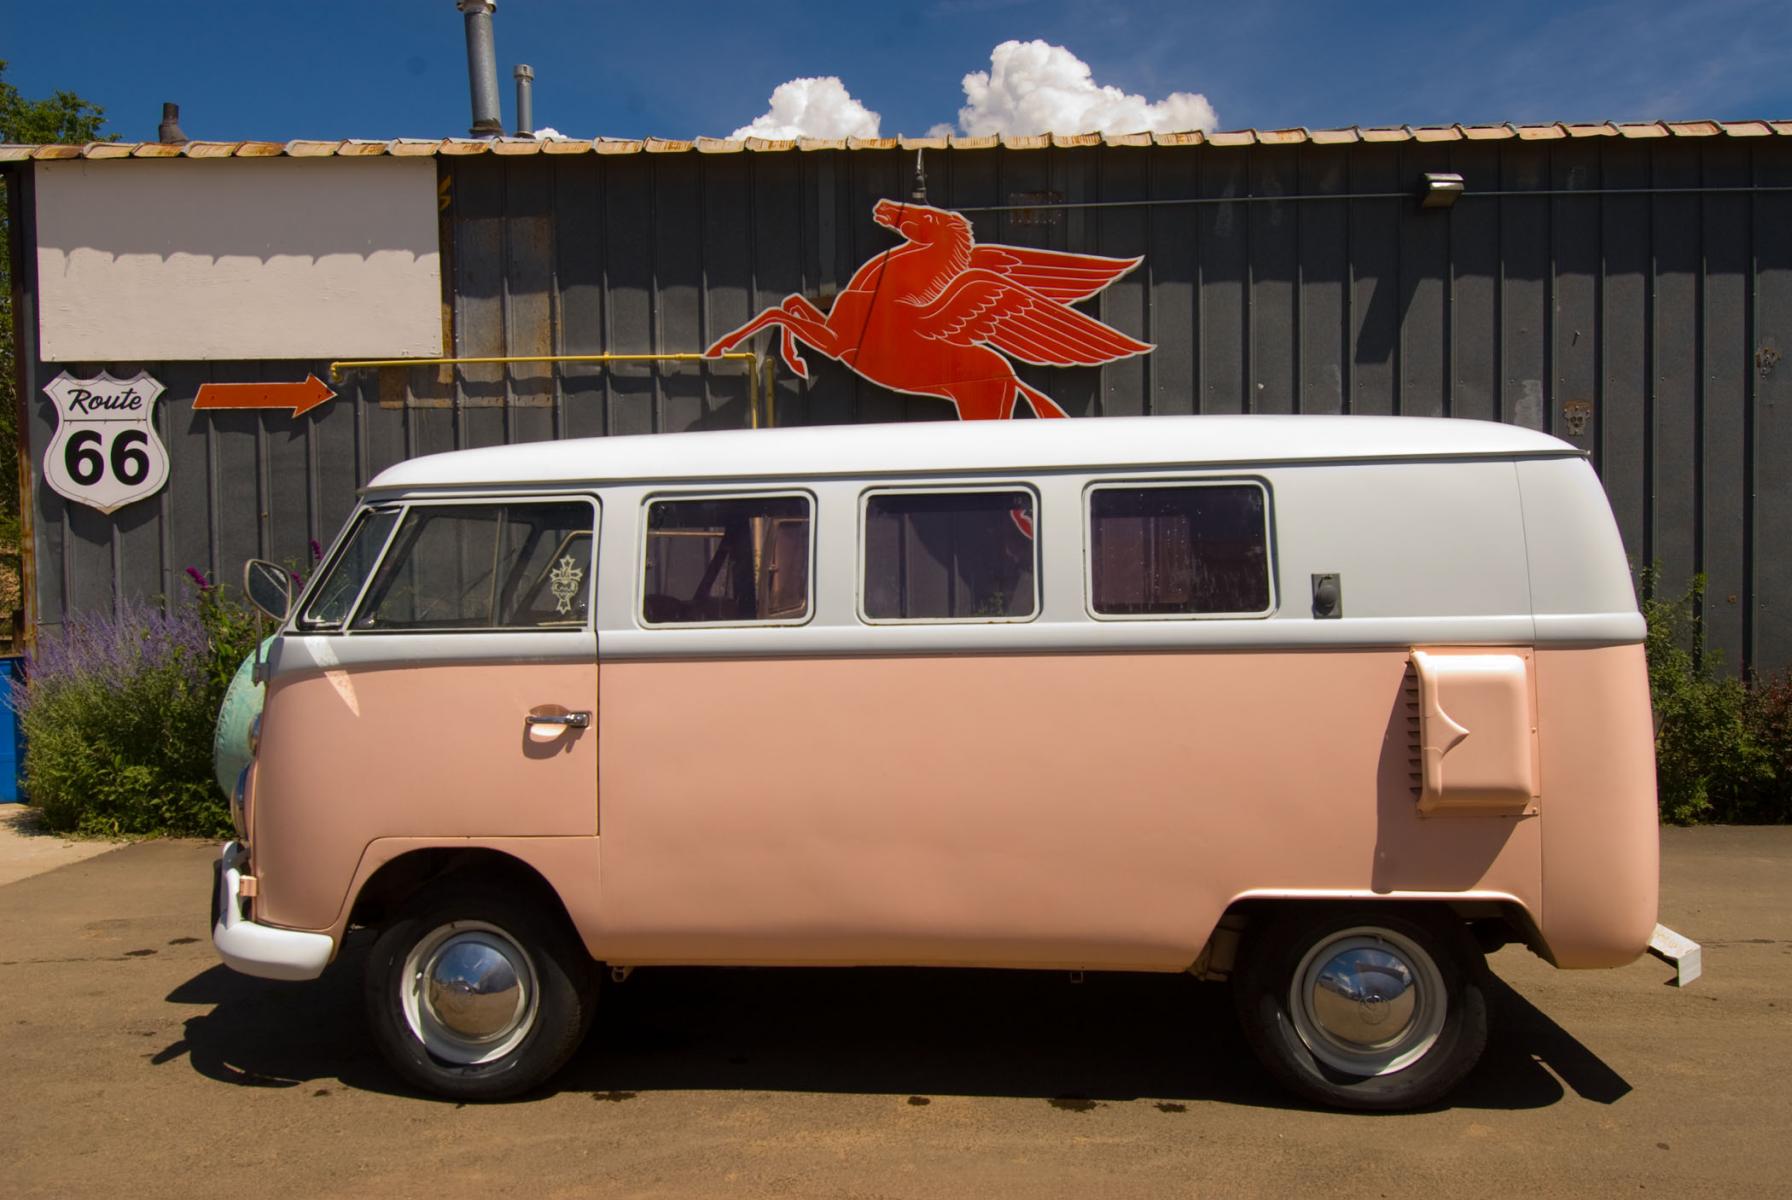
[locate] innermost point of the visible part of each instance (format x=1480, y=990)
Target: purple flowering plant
x=119, y=709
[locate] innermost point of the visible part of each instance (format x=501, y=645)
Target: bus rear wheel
x=1373, y=1008
x=477, y=995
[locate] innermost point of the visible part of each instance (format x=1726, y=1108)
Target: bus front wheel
x=477, y=994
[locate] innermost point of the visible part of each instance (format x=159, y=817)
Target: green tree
x=64, y=117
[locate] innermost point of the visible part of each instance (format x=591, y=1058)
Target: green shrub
x=118, y=715
x=1769, y=718
x=1723, y=749
x=232, y=629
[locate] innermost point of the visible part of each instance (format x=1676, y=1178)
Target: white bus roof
x=976, y=446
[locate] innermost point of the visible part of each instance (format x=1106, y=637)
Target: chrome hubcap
x=1367, y=1001
x=470, y=992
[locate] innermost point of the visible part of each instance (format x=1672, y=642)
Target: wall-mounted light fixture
x=1439, y=189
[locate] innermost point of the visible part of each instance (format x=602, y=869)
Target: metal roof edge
x=458, y=146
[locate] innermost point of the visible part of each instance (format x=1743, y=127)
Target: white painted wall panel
x=278, y=258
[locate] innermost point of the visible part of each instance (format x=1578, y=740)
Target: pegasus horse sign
x=936, y=315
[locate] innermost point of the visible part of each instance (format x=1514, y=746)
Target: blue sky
x=391, y=68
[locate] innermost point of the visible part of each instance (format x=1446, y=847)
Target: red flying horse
x=928, y=317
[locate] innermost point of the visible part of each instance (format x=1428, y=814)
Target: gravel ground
x=133, y=1064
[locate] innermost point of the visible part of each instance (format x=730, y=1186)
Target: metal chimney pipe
x=168, y=132
x=525, y=99
x=482, y=67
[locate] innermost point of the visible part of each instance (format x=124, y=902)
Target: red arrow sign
x=300, y=397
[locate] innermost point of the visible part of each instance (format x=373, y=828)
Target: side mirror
x=268, y=586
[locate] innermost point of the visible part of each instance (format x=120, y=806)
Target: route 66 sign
x=105, y=453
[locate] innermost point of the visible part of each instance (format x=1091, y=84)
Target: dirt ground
x=27, y=848
x=131, y=1063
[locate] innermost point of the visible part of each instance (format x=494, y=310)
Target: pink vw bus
x=1323, y=706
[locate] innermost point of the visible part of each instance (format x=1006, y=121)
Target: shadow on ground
x=1112, y=1038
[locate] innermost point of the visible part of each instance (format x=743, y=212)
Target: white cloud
x=812, y=107
x=1035, y=87
x=550, y=134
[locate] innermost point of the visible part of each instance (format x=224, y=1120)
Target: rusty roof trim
x=513, y=146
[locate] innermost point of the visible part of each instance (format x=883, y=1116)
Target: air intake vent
x=1409, y=704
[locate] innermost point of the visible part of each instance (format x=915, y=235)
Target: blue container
x=12, y=738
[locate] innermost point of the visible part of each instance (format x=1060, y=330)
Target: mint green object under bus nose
x=236, y=718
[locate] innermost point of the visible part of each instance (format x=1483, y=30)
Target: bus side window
x=1179, y=550
x=360, y=549
x=523, y=565
x=950, y=556
x=724, y=561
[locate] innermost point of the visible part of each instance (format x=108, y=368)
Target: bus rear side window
x=1199, y=550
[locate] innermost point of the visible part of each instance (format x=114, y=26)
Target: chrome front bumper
x=253, y=949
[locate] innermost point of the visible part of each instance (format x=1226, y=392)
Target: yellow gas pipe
x=755, y=385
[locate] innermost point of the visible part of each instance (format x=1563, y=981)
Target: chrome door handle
x=571, y=720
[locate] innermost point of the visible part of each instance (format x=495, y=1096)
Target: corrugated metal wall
x=1645, y=327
